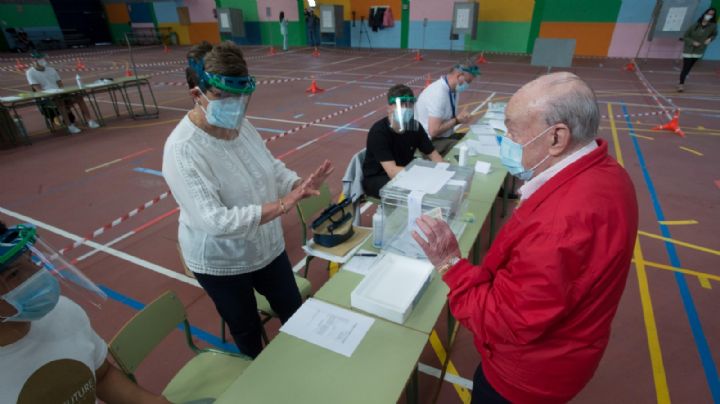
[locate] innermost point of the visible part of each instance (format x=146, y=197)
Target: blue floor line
x=269, y=130
x=711, y=373
x=148, y=171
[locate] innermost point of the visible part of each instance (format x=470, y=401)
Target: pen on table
x=366, y=255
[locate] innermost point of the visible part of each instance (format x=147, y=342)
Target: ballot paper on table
x=486, y=145
x=482, y=167
x=328, y=326
x=426, y=179
x=360, y=263
x=482, y=129
x=498, y=125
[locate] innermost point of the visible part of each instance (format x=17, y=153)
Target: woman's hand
x=441, y=245
x=320, y=175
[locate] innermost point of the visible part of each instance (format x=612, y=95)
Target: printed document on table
x=361, y=264
x=328, y=326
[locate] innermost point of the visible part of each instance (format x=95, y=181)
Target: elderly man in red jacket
x=541, y=303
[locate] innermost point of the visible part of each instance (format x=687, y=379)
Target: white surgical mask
x=511, y=156
x=42, y=62
x=227, y=113
x=708, y=17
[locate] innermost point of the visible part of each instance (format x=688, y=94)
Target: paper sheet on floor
x=328, y=326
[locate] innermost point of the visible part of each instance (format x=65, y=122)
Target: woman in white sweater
x=231, y=193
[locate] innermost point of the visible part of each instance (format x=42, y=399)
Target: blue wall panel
x=384, y=38
x=437, y=36
x=140, y=12
x=166, y=11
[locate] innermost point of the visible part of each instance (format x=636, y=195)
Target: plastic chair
x=204, y=377
x=307, y=209
x=263, y=306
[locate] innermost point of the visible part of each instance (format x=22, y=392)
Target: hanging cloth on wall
x=388, y=20
x=376, y=18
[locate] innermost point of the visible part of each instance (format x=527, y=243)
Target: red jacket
x=541, y=303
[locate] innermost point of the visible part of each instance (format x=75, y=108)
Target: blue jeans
x=234, y=299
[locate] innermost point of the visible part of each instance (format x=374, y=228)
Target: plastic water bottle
x=462, y=158
x=377, y=221
x=78, y=80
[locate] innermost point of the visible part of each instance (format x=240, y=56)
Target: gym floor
x=666, y=337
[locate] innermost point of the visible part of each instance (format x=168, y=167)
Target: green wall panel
x=32, y=15
x=249, y=8
x=581, y=10
x=117, y=32
x=499, y=37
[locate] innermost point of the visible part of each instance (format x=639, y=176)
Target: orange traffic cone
x=428, y=81
x=272, y=50
x=79, y=65
x=418, y=56
x=314, y=88
x=630, y=66
x=481, y=59
x=673, y=125
x=128, y=72
x=316, y=52
x=166, y=49
x=19, y=66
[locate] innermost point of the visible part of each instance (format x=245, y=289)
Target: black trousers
x=688, y=64
x=483, y=392
x=234, y=299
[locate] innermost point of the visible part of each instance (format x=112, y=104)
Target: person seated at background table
x=541, y=304
x=42, y=77
x=393, y=140
x=436, y=107
x=49, y=351
x=232, y=193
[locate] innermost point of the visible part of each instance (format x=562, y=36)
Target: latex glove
x=441, y=245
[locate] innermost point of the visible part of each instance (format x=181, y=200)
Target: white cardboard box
x=393, y=287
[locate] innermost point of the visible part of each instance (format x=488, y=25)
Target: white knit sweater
x=221, y=186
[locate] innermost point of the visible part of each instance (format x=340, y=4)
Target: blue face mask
x=227, y=113
x=511, y=156
x=462, y=87
x=34, y=298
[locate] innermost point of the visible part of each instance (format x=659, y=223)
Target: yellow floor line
x=680, y=243
x=704, y=282
x=440, y=352
x=103, y=165
x=659, y=377
x=677, y=222
x=685, y=271
x=642, y=136
x=693, y=151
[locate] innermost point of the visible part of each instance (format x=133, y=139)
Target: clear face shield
x=231, y=96
x=402, y=117
x=33, y=275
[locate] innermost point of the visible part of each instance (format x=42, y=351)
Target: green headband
x=472, y=69
x=402, y=98
x=235, y=85
x=26, y=234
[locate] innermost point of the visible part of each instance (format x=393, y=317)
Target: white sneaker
x=92, y=124
x=73, y=129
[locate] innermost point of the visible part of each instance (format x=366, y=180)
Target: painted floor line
x=453, y=379
x=680, y=243
x=129, y=156
x=148, y=171
x=269, y=130
x=108, y=250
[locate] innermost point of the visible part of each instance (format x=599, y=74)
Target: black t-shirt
x=384, y=144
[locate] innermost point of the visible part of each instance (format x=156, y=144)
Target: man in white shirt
x=436, y=107
x=48, y=348
x=43, y=77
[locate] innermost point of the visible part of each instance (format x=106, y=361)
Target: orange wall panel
x=362, y=7
x=204, y=31
x=117, y=13
x=591, y=38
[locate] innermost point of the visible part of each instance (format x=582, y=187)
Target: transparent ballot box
x=437, y=189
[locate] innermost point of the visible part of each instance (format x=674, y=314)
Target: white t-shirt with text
x=55, y=362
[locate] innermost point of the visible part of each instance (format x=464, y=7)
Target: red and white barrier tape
x=654, y=93
x=115, y=222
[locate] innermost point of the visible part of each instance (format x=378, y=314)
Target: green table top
x=290, y=370
x=28, y=96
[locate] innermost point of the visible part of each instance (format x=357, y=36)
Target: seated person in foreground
x=392, y=141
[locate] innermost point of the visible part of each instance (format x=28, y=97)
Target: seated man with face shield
x=437, y=106
x=49, y=350
x=392, y=141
